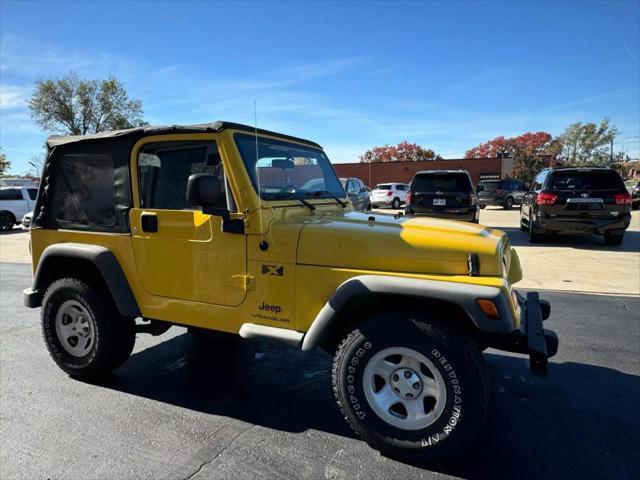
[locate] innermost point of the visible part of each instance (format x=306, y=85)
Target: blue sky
x=349, y=75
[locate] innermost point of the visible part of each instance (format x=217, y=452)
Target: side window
x=350, y=188
x=84, y=190
x=10, y=194
x=400, y=187
x=164, y=169
x=539, y=181
x=33, y=193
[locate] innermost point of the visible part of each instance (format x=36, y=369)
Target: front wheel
x=83, y=332
x=413, y=388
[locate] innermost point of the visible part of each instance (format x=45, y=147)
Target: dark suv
x=504, y=193
x=577, y=201
x=444, y=194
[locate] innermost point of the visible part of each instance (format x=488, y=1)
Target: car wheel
x=482, y=207
x=635, y=206
x=613, y=238
x=408, y=211
x=84, y=333
x=535, y=236
x=508, y=203
x=368, y=207
x=523, y=226
x=395, y=204
x=7, y=221
x=417, y=392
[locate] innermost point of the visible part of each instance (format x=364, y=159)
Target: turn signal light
x=489, y=308
x=409, y=195
x=546, y=199
x=622, y=199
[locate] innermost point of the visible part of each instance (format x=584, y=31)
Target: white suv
x=389, y=195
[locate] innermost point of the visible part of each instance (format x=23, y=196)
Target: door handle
x=149, y=222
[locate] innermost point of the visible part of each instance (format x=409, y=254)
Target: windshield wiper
x=327, y=192
x=283, y=195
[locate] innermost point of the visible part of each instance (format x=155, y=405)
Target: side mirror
x=203, y=190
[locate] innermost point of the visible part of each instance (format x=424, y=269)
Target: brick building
x=382, y=172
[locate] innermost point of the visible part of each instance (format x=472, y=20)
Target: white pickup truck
x=15, y=202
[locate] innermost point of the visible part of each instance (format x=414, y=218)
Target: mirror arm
x=229, y=225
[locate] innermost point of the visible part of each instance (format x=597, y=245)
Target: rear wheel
x=85, y=335
x=613, y=238
x=7, y=221
x=508, y=203
x=418, y=391
x=482, y=206
x=396, y=203
x=535, y=233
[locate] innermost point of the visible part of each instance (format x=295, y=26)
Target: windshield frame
x=326, y=169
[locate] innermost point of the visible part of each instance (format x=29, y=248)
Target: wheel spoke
x=384, y=369
x=385, y=398
x=415, y=409
x=410, y=362
x=429, y=388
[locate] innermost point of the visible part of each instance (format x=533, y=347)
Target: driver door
x=180, y=252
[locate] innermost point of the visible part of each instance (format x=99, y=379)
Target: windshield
x=282, y=169
x=456, y=182
x=586, y=180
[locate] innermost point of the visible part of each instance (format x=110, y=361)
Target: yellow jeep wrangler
x=229, y=228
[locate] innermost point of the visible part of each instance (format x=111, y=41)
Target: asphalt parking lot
x=182, y=407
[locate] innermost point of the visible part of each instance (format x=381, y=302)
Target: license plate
x=439, y=202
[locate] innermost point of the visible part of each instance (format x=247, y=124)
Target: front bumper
x=531, y=338
x=584, y=225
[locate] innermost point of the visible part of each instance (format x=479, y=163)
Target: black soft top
x=219, y=126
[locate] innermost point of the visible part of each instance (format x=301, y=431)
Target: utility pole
x=611, y=154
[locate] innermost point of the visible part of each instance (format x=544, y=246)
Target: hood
x=405, y=244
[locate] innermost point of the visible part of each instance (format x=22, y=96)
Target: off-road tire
x=613, y=239
x=396, y=203
x=7, y=221
x=456, y=357
x=508, y=203
x=114, y=335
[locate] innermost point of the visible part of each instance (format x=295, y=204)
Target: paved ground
x=580, y=264
x=179, y=409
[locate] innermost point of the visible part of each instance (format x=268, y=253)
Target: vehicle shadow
x=582, y=421
x=13, y=231
x=631, y=242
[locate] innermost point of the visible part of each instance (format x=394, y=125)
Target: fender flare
x=462, y=294
x=106, y=263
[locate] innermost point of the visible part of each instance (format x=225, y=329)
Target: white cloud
x=13, y=96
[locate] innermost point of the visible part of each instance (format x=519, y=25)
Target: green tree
x=4, y=164
x=78, y=106
x=588, y=143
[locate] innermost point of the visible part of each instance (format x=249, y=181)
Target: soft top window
x=444, y=182
x=84, y=191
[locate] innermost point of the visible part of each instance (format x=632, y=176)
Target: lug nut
x=395, y=377
x=407, y=374
x=416, y=386
x=409, y=395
